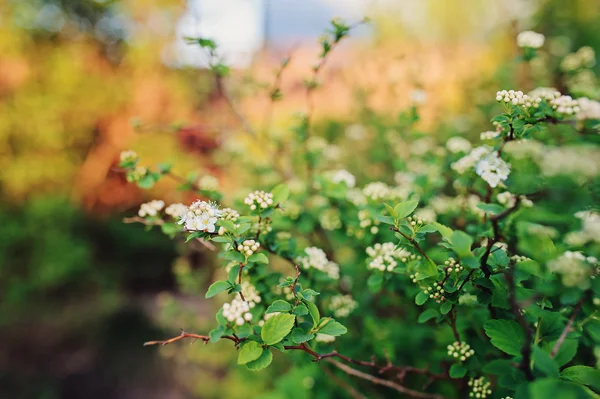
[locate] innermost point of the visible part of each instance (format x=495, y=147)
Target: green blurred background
x=82, y=80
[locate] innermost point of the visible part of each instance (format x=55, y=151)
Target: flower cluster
x=530, y=39
x=519, y=258
x=489, y=135
x=201, y=216
x=436, y=291
x=582, y=58
x=248, y=247
x=480, y=387
x=238, y=310
x=460, y=350
x=378, y=191
x=575, y=269
x=492, y=169
x=458, y=144
x=588, y=109
x=565, y=105
x=330, y=219
x=324, y=338
x=384, y=256
x=317, y=259
x=469, y=161
x=259, y=199
x=415, y=221
x=453, y=266
x=127, y=157
x=342, y=176
x=508, y=199
x=208, y=183
x=514, y=97
x=136, y=173
x=342, y=305
x=176, y=210
x=544, y=93
x=151, y=208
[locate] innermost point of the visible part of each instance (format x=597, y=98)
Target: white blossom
x=317, y=259
x=128, y=156
x=530, y=39
x=565, y=105
x=342, y=305
x=201, y=216
x=418, y=96
x=489, y=135
x=492, y=169
x=385, y=257
x=324, y=338
x=582, y=58
x=342, y=176
x=575, y=269
x=588, y=109
x=151, y=208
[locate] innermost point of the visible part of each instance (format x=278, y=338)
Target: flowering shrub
x=471, y=272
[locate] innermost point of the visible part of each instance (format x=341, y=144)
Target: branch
x=413, y=242
x=236, y=112
x=567, y=329
x=184, y=335
x=379, y=381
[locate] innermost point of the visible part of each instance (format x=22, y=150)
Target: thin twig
x=567, y=329
x=525, y=364
x=380, y=381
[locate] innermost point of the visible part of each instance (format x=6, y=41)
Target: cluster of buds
x=519, y=258
x=460, y=350
x=238, y=311
x=136, y=174
x=259, y=199
x=342, y=305
x=408, y=257
x=176, y=210
x=127, y=157
x=266, y=317
x=365, y=221
x=151, y=208
x=480, y=388
x=514, y=97
x=436, y=291
x=565, y=105
x=228, y=214
x=317, y=259
x=324, y=338
x=414, y=277
x=415, y=221
x=453, y=266
x=384, y=256
x=530, y=39
x=248, y=247
x=208, y=183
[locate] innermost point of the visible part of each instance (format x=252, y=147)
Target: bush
x=473, y=274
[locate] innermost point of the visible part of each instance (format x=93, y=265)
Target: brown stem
x=567, y=329
x=380, y=381
x=413, y=242
x=525, y=364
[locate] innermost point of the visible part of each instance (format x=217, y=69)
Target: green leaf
x=263, y=361
x=446, y=232
x=300, y=310
x=566, y=353
x=217, y=287
x=457, y=371
x=170, y=229
x=386, y=219
x=505, y=335
x=250, y=351
x=242, y=228
x=544, y=363
x=553, y=388
x=216, y=334
x=333, y=328
x=498, y=367
x=445, y=308
x=428, y=228
x=233, y=274
x=299, y=336
x=277, y=327
x=314, y=312
x=228, y=224
x=427, y=315
x=146, y=182
x=461, y=243
x=492, y=209
x=421, y=298
x=234, y=256
x=244, y=330
x=279, y=306
x=221, y=239
x=583, y=375
x=391, y=211
x=258, y=258
x=404, y=209
x=280, y=193
x=375, y=282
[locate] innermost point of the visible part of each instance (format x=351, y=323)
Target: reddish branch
x=526, y=348
x=401, y=371
x=413, y=242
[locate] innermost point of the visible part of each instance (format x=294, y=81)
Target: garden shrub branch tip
x=489, y=251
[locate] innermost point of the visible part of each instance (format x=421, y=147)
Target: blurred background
x=82, y=80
